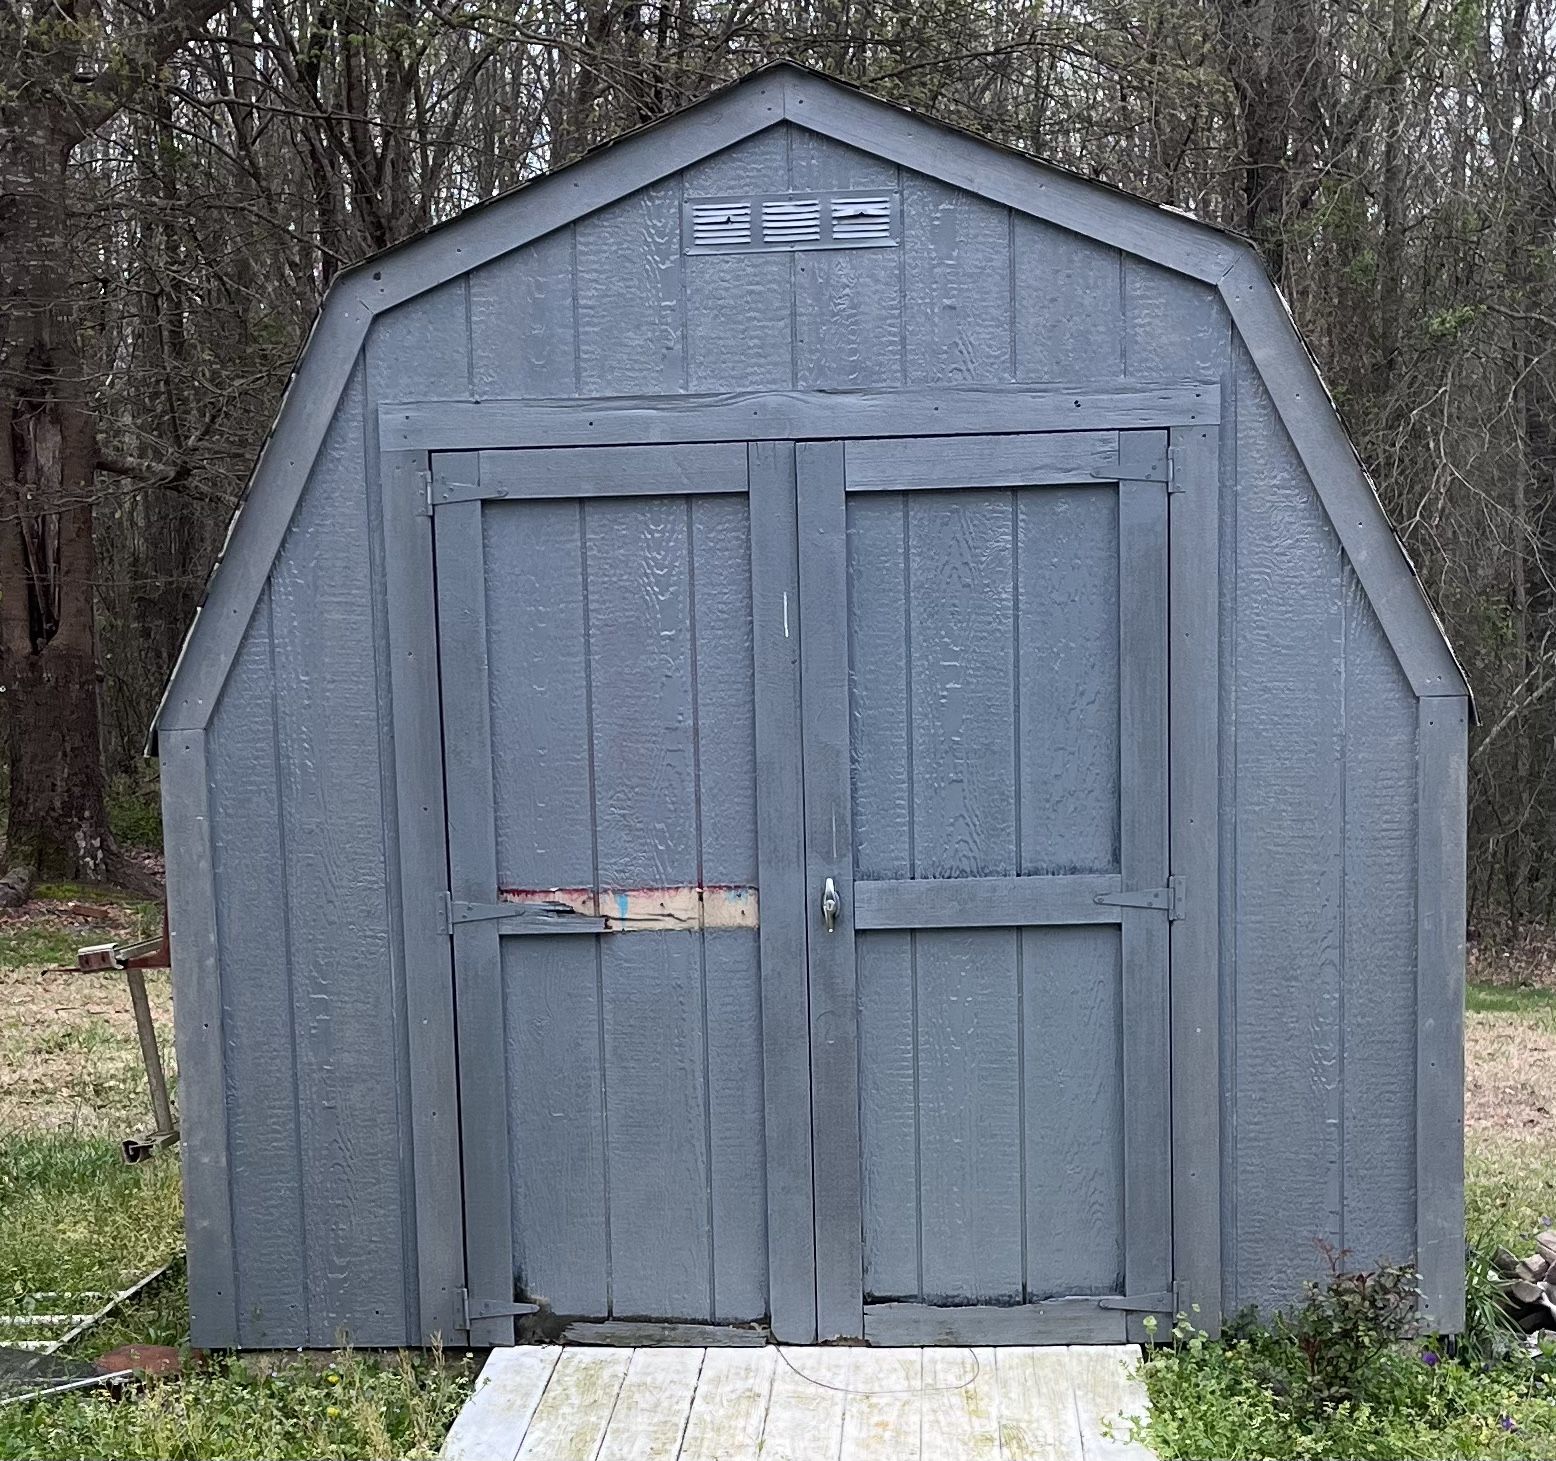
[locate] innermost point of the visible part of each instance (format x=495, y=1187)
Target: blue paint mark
x=621, y=906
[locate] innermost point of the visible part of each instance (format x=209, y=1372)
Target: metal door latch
x=1173, y=1301
x=831, y=904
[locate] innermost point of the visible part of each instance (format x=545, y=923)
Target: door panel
x=985, y=761
x=598, y=650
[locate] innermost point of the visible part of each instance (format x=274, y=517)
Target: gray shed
x=810, y=723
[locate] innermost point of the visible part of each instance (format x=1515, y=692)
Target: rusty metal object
x=133, y=958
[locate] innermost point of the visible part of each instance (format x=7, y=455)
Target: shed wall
x=1318, y=722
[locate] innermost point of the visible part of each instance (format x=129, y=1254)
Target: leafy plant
x=1489, y=1336
x=1341, y=1376
x=1346, y=1324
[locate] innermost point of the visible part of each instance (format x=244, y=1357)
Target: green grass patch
x=1233, y=1400
x=340, y=1405
x=1244, y=1396
x=1509, y=1195
x=1533, y=1002
x=39, y=945
x=74, y=1218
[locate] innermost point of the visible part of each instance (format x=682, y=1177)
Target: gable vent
x=791, y=221
x=861, y=220
x=780, y=222
x=720, y=225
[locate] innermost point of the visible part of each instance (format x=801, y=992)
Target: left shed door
x=599, y=662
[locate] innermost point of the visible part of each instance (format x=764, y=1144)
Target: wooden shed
x=810, y=724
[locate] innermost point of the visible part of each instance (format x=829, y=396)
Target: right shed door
x=984, y=659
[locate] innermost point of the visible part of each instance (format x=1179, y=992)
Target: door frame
x=408, y=433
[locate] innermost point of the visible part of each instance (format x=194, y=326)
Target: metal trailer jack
x=132, y=959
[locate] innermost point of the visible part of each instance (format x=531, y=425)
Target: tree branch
x=134, y=63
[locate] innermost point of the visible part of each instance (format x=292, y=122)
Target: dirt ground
x=1510, y=1077
x=1510, y=1046
x=69, y=1057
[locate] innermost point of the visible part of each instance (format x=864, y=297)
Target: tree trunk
x=57, y=824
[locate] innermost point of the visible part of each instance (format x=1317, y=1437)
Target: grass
x=353, y=1406
x=1241, y=1398
x=1532, y=1002
x=74, y=1218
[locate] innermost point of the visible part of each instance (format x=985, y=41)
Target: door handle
x=831, y=904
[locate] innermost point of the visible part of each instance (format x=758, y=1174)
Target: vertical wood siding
x=1317, y=801
x=1290, y=644
x=250, y=855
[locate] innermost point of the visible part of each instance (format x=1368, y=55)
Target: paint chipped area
x=647, y=910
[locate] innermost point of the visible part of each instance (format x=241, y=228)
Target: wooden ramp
x=776, y=1403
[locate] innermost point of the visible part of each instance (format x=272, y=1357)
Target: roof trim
x=779, y=93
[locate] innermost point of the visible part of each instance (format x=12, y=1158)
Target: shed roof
x=775, y=94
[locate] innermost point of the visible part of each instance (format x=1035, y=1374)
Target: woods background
x=179, y=181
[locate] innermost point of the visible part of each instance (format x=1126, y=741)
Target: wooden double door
x=809, y=886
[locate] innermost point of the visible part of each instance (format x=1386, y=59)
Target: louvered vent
x=861, y=220
x=790, y=222
x=774, y=222
x=721, y=225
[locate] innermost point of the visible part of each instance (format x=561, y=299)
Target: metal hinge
x=1172, y=1301
x=1168, y=900
x=1173, y=484
x=547, y=917
x=425, y=507
x=477, y=1309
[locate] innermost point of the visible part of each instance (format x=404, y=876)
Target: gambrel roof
x=788, y=93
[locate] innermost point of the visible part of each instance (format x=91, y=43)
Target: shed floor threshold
x=782, y=1403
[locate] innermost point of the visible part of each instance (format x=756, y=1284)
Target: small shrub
x=1346, y=1324
x=1341, y=1377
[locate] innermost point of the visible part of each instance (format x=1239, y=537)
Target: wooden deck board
x=942, y=1403
x=1039, y=1418
x=730, y=1407
x=884, y=1415
x=805, y=1415
x=1105, y=1391
x=570, y=1421
x=649, y=1420
x=961, y=1404
x=491, y=1427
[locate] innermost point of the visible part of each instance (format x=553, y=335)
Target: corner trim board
x=1442, y=790
x=202, y=1087
x=1194, y=792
